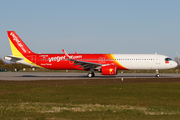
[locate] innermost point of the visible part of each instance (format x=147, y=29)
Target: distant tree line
x=12, y=66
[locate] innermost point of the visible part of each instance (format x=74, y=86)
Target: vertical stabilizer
x=18, y=47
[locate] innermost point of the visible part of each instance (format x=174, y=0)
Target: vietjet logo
x=59, y=58
x=18, y=42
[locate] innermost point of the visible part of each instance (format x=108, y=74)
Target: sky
x=93, y=26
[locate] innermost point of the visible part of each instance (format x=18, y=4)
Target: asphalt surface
x=28, y=76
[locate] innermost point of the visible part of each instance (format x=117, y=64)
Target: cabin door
x=32, y=58
x=157, y=59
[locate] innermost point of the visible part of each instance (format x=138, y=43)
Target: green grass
x=54, y=100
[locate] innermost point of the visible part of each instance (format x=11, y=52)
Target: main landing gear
x=157, y=73
x=91, y=73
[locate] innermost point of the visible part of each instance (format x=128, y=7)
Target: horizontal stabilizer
x=12, y=58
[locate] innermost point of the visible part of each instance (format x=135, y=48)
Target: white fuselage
x=144, y=61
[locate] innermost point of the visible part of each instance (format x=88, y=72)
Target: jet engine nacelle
x=109, y=70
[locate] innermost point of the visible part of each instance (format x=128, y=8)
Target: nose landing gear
x=157, y=73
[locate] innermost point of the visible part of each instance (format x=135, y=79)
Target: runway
x=29, y=76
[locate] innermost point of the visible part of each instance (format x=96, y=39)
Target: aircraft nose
x=174, y=64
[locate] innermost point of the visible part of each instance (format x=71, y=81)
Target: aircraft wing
x=86, y=65
x=83, y=64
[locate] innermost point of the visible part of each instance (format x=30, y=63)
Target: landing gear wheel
x=157, y=75
x=90, y=75
x=93, y=74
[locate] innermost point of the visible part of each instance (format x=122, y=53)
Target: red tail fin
x=17, y=45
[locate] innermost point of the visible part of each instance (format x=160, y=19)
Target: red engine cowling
x=109, y=70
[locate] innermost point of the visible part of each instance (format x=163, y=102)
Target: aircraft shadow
x=128, y=76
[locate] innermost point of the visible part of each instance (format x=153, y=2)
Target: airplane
x=106, y=64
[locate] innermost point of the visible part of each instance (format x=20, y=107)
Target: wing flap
x=86, y=65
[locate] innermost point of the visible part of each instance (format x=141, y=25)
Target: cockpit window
x=168, y=59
